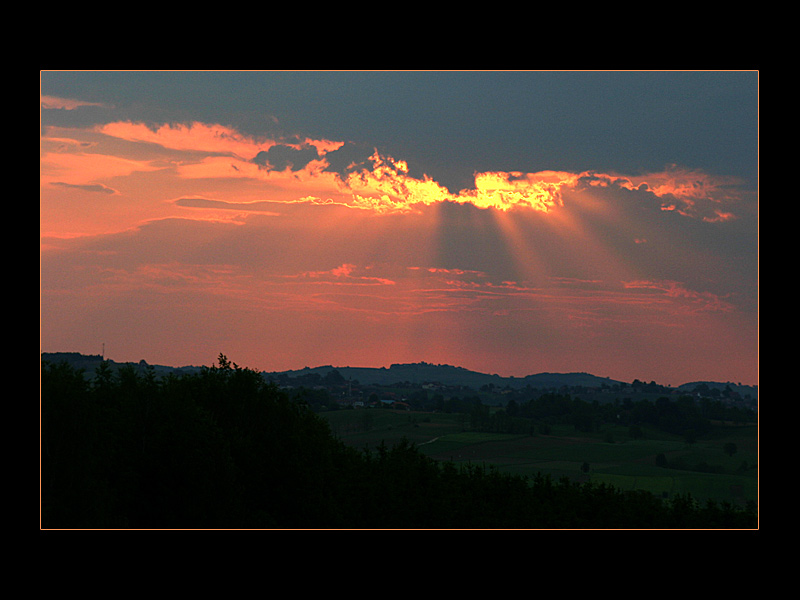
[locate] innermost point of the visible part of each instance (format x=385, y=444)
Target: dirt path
x=429, y=441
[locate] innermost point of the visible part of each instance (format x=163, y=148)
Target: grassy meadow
x=611, y=456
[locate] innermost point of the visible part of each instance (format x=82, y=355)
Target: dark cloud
x=350, y=156
x=280, y=157
x=98, y=188
x=451, y=124
x=296, y=156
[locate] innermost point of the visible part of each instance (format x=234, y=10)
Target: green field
x=610, y=455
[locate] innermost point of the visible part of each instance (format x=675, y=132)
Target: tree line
x=223, y=448
x=681, y=416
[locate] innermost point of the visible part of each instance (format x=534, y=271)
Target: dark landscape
x=411, y=446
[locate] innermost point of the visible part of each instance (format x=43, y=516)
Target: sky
x=509, y=222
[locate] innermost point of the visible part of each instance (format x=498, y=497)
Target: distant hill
x=412, y=373
x=421, y=373
x=548, y=380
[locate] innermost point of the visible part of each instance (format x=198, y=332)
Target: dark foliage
x=681, y=416
x=222, y=448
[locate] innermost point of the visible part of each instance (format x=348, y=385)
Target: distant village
x=334, y=389
x=329, y=388
x=349, y=393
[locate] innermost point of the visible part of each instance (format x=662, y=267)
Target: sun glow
x=504, y=191
x=388, y=187
x=380, y=183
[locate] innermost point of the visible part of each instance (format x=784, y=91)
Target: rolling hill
x=411, y=373
x=421, y=373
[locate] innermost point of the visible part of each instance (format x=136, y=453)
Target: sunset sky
x=505, y=222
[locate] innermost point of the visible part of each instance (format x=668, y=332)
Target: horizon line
x=422, y=362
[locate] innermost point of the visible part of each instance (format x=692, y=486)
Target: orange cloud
x=53, y=102
x=77, y=169
x=343, y=274
x=504, y=191
x=456, y=272
x=148, y=167
x=215, y=139
x=212, y=139
x=677, y=294
x=683, y=189
x=385, y=185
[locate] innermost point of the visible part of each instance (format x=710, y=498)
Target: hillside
x=421, y=373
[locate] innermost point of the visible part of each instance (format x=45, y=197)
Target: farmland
x=609, y=455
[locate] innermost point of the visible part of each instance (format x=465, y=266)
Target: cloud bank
x=298, y=251
x=382, y=183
